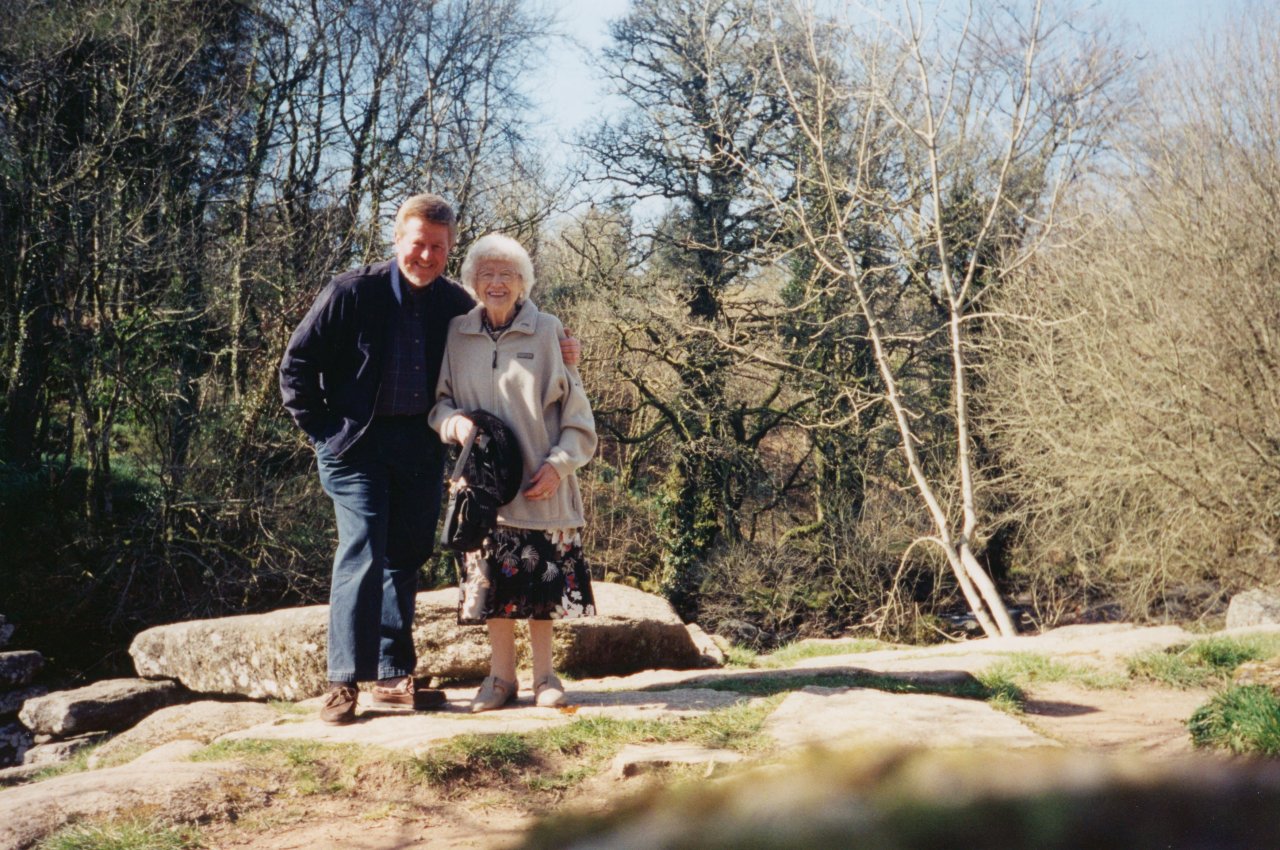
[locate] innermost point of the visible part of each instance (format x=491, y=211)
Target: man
x=359, y=377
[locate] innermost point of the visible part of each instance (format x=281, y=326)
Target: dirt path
x=357, y=825
x=1143, y=719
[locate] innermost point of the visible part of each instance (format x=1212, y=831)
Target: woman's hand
x=570, y=349
x=543, y=484
x=460, y=428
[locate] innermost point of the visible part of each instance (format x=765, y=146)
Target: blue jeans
x=386, y=497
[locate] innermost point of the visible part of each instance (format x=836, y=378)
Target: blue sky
x=570, y=94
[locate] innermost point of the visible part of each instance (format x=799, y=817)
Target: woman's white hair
x=497, y=246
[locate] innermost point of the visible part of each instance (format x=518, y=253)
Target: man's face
x=422, y=249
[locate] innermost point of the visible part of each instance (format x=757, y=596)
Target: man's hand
x=570, y=349
x=543, y=484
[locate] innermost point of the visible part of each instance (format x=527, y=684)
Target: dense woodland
x=886, y=317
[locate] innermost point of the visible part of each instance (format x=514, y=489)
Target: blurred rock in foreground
x=917, y=799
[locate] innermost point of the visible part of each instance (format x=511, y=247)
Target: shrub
x=1132, y=403
x=1242, y=719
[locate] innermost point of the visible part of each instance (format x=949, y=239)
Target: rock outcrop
x=15, y=740
x=1253, y=608
x=107, y=706
x=11, y=701
x=853, y=717
x=1019, y=777
x=281, y=654
x=55, y=752
x=174, y=790
x=19, y=668
x=197, y=721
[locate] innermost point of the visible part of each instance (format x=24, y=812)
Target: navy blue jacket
x=333, y=364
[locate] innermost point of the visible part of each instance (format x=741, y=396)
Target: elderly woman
x=504, y=357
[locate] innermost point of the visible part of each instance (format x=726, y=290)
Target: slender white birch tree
x=951, y=136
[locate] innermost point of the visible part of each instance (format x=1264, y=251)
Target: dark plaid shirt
x=403, y=390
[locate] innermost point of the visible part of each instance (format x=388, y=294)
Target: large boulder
x=633, y=631
x=19, y=668
x=107, y=706
x=1253, y=608
x=281, y=654
x=278, y=655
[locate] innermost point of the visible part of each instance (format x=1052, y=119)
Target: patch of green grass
x=1228, y=653
x=78, y=763
x=289, y=709
x=1007, y=680
x=128, y=835
x=604, y=735
x=1028, y=668
x=559, y=757
x=476, y=759
x=1242, y=719
x=740, y=656
x=791, y=653
x=736, y=727
x=1204, y=662
x=1170, y=668
x=1005, y=694
x=561, y=780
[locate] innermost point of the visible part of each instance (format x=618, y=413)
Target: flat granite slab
x=409, y=730
x=849, y=717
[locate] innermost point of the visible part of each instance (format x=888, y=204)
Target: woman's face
x=498, y=286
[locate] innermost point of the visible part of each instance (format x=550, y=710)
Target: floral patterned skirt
x=526, y=574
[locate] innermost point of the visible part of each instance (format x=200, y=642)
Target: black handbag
x=492, y=465
x=468, y=519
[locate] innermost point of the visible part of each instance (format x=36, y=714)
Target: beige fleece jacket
x=522, y=379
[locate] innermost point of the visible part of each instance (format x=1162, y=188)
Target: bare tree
x=177, y=178
x=358, y=104
x=1140, y=412
x=112, y=119
x=703, y=101
x=980, y=120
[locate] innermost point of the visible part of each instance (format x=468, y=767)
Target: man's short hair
x=428, y=207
